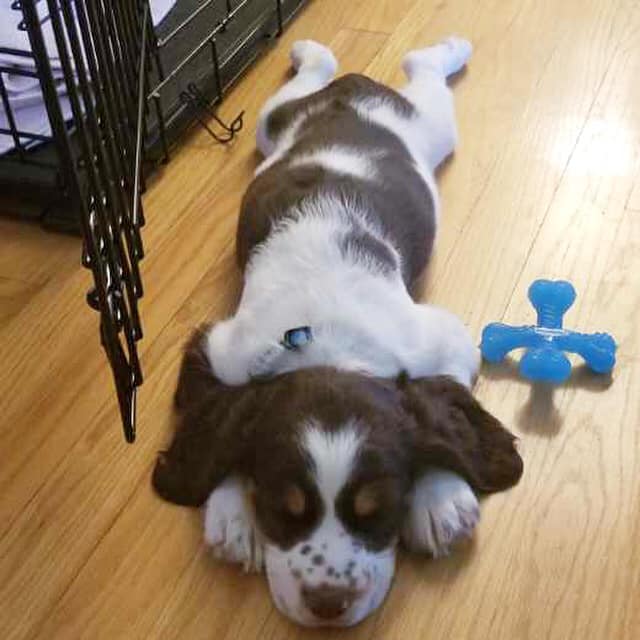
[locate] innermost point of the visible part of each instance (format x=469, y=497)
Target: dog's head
x=330, y=458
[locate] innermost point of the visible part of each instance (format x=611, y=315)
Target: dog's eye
x=295, y=501
x=367, y=500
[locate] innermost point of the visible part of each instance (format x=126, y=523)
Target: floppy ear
x=213, y=426
x=452, y=430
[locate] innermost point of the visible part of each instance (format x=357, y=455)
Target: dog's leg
x=228, y=526
x=315, y=67
x=443, y=346
x=442, y=511
x=427, y=71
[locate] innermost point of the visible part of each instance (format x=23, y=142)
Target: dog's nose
x=327, y=602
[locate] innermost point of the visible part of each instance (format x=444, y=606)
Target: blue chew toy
x=545, y=342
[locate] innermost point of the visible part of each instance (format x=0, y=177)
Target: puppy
x=331, y=416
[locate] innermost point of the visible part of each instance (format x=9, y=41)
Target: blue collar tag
x=296, y=338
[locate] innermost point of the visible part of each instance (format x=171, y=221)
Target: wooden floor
x=545, y=184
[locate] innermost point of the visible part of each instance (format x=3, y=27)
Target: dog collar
x=265, y=363
x=294, y=339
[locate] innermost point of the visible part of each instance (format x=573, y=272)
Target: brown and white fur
x=315, y=461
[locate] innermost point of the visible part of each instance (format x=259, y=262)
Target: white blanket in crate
x=25, y=96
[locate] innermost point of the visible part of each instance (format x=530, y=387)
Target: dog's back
x=340, y=220
x=340, y=144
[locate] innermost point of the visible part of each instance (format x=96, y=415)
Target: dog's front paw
x=443, y=510
x=228, y=527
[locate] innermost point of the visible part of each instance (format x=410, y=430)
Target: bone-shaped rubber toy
x=547, y=341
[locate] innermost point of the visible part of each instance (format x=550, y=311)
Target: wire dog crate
x=117, y=93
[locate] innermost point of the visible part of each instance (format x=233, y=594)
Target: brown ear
x=196, y=376
x=453, y=431
x=213, y=423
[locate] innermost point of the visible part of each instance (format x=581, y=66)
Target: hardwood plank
x=28, y=253
x=14, y=296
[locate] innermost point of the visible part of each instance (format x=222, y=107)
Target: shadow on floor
x=539, y=414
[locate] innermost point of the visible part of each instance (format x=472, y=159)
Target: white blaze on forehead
x=334, y=454
x=329, y=555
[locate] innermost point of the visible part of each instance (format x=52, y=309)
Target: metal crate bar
x=112, y=243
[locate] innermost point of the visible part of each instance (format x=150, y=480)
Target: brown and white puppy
x=331, y=416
